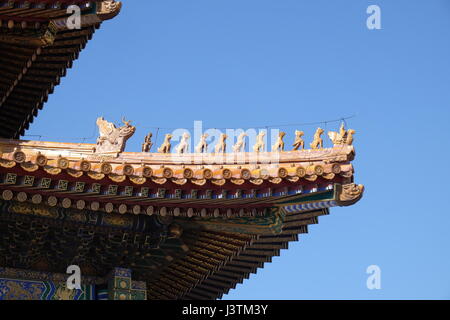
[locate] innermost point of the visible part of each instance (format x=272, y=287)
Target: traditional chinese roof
x=36, y=49
x=191, y=226
x=198, y=225
x=306, y=169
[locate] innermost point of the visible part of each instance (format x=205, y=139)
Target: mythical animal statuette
x=165, y=147
x=299, y=142
x=147, y=145
x=260, y=145
x=318, y=141
x=343, y=137
x=184, y=143
x=240, y=144
x=109, y=8
x=348, y=194
x=279, y=145
x=221, y=146
x=113, y=139
x=202, y=146
x=350, y=134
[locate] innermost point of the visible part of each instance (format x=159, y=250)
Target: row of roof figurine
x=343, y=137
x=113, y=139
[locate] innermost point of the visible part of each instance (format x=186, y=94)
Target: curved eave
x=249, y=183
x=188, y=186
x=220, y=250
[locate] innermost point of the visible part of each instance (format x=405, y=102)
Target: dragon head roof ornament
x=108, y=9
x=113, y=139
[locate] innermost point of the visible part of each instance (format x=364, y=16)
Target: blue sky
x=261, y=62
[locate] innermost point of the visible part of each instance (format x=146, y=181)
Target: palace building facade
x=167, y=224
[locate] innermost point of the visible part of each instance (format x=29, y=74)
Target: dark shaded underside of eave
x=31, y=92
x=223, y=276
x=203, y=264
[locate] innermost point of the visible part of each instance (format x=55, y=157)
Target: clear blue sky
x=252, y=63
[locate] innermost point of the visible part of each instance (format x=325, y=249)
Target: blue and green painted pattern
x=118, y=285
x=12, y=289
x=102, y=294
x=297, y=208
x=303, y=203
x=121, y=287
x=270, y=223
